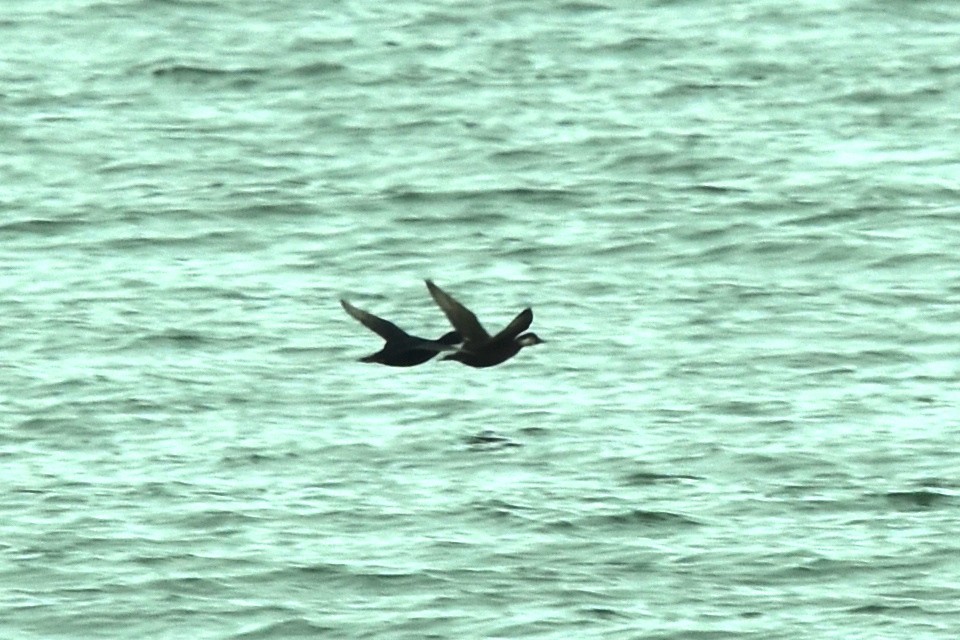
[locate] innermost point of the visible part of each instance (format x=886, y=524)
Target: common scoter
x=401, y=349
x=479, y=348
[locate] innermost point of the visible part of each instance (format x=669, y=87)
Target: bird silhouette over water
x=400, y=349
x=479, y=348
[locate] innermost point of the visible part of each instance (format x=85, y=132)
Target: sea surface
x=738, y=226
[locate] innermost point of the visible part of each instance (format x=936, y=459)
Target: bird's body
x=479, y=348
x=400, y=348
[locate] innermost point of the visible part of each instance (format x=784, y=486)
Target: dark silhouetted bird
x=401, y=349
x=479, y=348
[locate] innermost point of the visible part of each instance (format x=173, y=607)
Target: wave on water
x=243, y=77
x=646, y=518
x=296, y=627
x=920, y=499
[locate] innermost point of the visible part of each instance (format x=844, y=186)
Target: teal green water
x=737, y=225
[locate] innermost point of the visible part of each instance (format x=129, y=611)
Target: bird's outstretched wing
x=384, y=328
x=517, y=326
x=459, y=316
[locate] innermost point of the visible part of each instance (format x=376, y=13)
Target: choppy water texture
x=737, y=223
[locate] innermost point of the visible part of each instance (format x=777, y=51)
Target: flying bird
x=400, y=349
x=479, y=348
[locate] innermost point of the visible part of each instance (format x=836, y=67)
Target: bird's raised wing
x=517, y=326
x=384, y=328
x=459, y=316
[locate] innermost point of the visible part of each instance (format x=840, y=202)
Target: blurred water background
x=738, y=225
